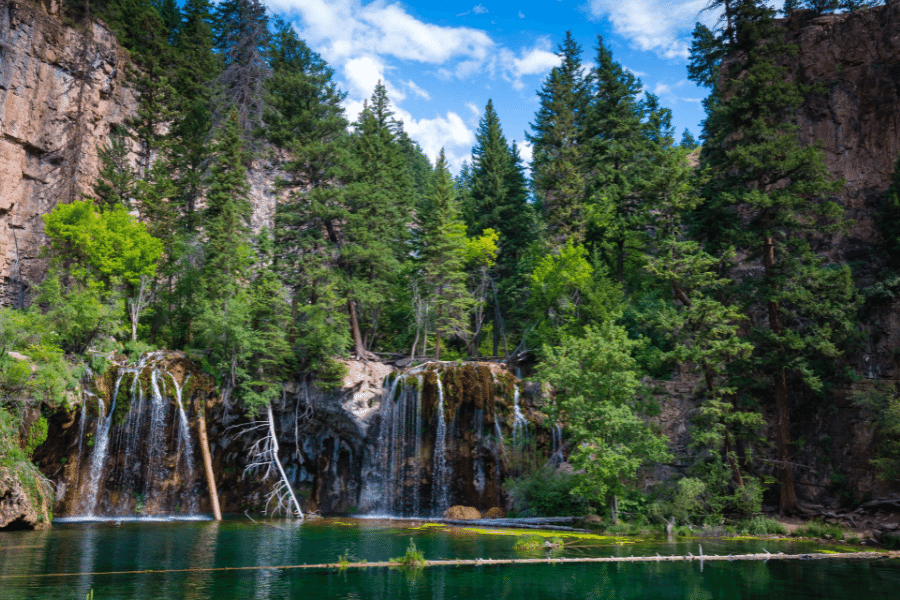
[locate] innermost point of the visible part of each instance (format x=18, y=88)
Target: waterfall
x=519, y=420
x=185, y=447
x=130, y=467
x=439, y=441
x=440, y=483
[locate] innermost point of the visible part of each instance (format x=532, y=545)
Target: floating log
x=480, y=562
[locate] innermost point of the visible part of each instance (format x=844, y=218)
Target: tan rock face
x=462, y=513
x=61, y=90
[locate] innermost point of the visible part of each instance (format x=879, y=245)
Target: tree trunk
x=620, y=261
x=614, y=509
x=358, y=347
x=437, y=334
x=788, y=496
x=278, y=461
x=207, y=461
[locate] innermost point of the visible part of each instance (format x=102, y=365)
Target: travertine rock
x=17, y=509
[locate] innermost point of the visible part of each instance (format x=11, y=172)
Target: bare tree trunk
x=207, y=461
x=277, y=461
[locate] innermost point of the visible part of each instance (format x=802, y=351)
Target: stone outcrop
x=18, y=508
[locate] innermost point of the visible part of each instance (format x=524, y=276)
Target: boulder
x=494, y=513
x=462, y=513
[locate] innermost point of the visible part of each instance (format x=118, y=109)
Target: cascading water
x=439, y=442
x=440, y=488
x=128, y=455
x=519, y=420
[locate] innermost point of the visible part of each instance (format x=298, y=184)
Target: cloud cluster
x=661, y=26
x=361, y=40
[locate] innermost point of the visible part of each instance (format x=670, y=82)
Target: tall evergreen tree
x=622, y=135
x=557, y=166
x=378, y=204
x=242, y=38
x=768, y=192
x=305, y=118
x=444, y=250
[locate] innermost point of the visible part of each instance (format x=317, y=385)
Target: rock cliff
x=61, y=89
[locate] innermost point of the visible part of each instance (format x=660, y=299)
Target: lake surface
x=91, y=556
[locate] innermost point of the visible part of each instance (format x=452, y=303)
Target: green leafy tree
x=596, y=386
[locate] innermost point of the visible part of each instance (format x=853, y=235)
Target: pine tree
x=378, y=203
x=115, y=185
x=557, y=167
x=227, y=217
x=196, y=69
x=767, y=192
x=305, y=118
x=444, y=250
x=622, y=135
x=242, y=37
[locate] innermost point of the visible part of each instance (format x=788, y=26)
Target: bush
x=412, y=558
x=545, y=492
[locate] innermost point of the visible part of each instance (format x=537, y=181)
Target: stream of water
x=72, y=559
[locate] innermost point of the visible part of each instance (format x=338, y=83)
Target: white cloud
x=521, y=16
x=415, y=89
x=340, y=29
x=479, y=9
x=449, y=132
x=663, y=26
x=535, y=61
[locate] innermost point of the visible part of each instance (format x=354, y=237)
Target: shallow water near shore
x=204, y=559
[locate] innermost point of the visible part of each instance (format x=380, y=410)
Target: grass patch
x=545, y=534
x=758, y=526
x=346, y=559
x=537, y=542
x=819, y=529
x=413, y=557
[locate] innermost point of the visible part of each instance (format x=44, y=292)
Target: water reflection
x=182, y=554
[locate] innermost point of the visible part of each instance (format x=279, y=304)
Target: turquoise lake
x=72, y=559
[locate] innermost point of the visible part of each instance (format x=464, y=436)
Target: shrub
x=760, y=526
x=545, y=492
x=412, y=558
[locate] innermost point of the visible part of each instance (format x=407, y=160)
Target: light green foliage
x=596, y=385
x=819, y=529
x=413, y=557
x=108, y=246
x=481, y=250
x=79, y=315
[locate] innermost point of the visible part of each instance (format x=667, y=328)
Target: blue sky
x=442, y=61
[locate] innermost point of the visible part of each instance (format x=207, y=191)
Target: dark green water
x=30, y=560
